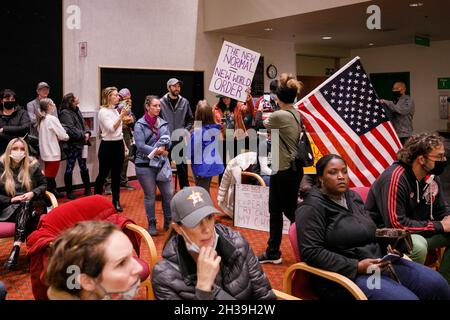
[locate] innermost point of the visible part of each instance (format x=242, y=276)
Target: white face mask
x=122, y=295
x=17, y=155
x=192, y=247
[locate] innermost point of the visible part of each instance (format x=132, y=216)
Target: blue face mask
x=122, y=295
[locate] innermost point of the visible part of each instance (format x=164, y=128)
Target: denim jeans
x=417, y=283
x=147, y=179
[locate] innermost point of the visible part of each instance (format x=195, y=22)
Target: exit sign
x=443, y=83
x=422, y=41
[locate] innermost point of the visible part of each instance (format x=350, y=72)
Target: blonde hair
x=105, y=96
x=288, y=80
x=24, y=173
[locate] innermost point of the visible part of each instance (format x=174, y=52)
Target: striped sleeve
x=397, y=195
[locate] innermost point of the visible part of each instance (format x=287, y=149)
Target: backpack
x=304, y=157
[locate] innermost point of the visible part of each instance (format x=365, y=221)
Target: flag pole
x=328, y=80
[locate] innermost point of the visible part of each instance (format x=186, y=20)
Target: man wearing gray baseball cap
x=176, y=110
x=204, y=260
x=42, y=90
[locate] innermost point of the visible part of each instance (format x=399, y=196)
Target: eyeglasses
x=437, y=157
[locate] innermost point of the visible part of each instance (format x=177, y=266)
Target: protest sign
x=251, y=208
x=234, y=71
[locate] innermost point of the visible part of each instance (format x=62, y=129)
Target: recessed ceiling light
x=418, y=4
x=327, y=38
x=268, y=29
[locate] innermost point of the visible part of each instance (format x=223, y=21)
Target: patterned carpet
x=18, y=282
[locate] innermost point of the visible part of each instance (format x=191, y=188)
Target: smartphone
x=266, y=97
x=392, y=257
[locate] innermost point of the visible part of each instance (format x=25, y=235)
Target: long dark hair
x=223, y=106
x=67, y=101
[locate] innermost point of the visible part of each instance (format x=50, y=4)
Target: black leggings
x=111, y=155
x=26, y=217
x=283, y=193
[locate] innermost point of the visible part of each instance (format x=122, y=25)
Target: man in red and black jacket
x=409, y=195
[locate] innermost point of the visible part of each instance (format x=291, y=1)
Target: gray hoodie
x=178, y=117
x=402, y=114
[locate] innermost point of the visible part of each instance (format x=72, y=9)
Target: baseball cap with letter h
x=191, y=205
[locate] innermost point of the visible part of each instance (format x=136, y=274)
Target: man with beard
x=14, y=121
x=176, y=110
x=409, y=195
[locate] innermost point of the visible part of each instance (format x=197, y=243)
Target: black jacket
x=240, y=276
x=398, y=200
x=15, y=125
x=73, y=122
x=332, y=237
x=39, y=185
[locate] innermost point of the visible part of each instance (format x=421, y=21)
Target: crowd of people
x=202, y=259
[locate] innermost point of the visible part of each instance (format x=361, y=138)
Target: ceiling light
x=268, y=29
x=371, y=44
x=327, y=38
x=418, y=4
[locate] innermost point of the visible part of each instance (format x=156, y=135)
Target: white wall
x=133, y=33
x=228, y=13
x=425, y=65
x=314, y=66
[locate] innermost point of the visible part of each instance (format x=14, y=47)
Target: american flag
x=344, y=116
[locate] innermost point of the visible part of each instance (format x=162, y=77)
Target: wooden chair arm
x=52, y=199
x=333, y=276
x=284, y=296
x=148, y=241
x=256, y=176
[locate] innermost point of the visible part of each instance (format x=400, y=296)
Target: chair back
x=362, y=191
x=301, y=280
x=248, y=177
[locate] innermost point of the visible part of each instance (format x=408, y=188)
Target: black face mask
x=397, y=95
x=8, y=105
x=439, y=167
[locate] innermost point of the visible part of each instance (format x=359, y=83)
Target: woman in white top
x=50, y=132
x=111, y=153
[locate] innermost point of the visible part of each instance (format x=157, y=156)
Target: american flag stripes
x=344, y=116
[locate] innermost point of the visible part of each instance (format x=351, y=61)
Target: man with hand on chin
x=204, y=260
x=408, y=195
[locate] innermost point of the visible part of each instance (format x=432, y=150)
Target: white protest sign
x=234, y=71
x=251, y=208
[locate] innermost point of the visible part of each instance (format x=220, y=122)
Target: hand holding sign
x=234, y=71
